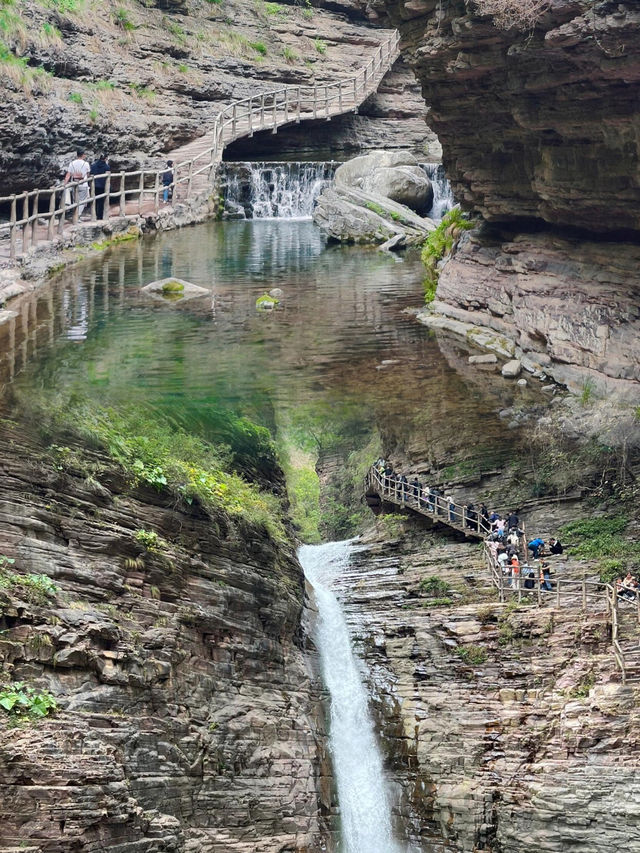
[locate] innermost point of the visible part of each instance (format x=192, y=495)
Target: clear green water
x=339, y=343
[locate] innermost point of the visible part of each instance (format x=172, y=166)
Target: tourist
x=513, y=539
x=556, y=547
x=545, y=576
x=452, y=509
x=167, y=182
x=388, y=471
x=515, y=571
x=416, y=489
x=503, y=559
x=529, y=574
x=498, y=526
x=512, y=521
x=404, y=488
x=493, y=516
x=432, y=500
x=630, y=586
x=78, y=170
x=536, y=546
x=99, y=168
x=472, y=517
x=484, y=512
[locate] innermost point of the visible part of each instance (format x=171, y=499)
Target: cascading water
x=289, y=190
x=364, y=801
x=276, y=190
x=443, y=199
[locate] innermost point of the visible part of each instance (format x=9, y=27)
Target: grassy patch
x=320, y=45
x=601, y=539
x=259, y=47
x=289, y=54
x=34, y=588
x=434, y=586
x=113, y=241
x=23, y=703
x=438, y=245
x=472, y=655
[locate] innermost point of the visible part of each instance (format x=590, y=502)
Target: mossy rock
x=174, y=290
x=173, y=286
x=266, y=302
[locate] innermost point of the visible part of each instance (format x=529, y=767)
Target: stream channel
x=339, y=342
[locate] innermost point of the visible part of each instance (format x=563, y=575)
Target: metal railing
x=41, y=214
x=519, y=582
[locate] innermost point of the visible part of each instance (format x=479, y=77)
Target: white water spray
x=364, y=802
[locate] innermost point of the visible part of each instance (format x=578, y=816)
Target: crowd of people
x=504, y=536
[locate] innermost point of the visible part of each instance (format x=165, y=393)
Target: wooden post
x=539, y=590
x=25, y=225
x=298, y=107
x=464, y=517
x=52, y=214
x=275, y=113
x=501, y=578
x=558, y=593
x=262, y=111
x=340, y=95
x=34, y=219
x=190, y=178
x=250, y=118
x=106, y=210
x=12, y=229
x=123, y=194
x=63, y=210
x=234, y=121
x=326, y=103
x=140, y=190
x=315, y=102
x=75, y=216
x=156, y=191
x=286, y=106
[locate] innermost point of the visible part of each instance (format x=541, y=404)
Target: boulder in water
x=276, y=292
x=392, y=174
x=174, y=289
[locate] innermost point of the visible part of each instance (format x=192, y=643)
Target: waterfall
x=364, y=802
x=275, y=190
x=443, y=199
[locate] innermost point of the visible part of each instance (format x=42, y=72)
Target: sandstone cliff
x=187, y=718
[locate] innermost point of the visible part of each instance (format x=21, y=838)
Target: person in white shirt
x=78, y=170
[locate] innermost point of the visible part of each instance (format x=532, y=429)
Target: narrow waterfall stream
x=365, y=808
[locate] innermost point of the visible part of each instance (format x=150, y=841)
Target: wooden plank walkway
x=623, y=614
x=41, y=215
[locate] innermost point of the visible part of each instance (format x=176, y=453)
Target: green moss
x=259, y=47
x=173, y=287
x=434, y=586
x=266, y=301
x=132, y=234
x=438, y=245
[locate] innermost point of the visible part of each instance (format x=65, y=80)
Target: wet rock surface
x=188, y=719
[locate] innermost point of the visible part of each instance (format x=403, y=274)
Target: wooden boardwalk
x=42, y=215
x=583, y=595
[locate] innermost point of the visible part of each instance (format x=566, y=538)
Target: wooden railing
x=41, y=214
x=576, y=593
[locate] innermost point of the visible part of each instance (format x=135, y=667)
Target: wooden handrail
x=267, y=110
x=455, y=515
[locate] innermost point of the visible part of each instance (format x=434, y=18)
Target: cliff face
x=187, y=719
x=540, y=124
x=505, y=729
x=539, y=130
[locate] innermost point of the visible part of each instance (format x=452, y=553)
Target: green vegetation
x=23, y=703
x=131, y=234
x=173, y=287
x=303, y=487
x=183, y=69
x=142, y=91
x=66, y=7
x=439, y=244
x=50, y=32
x=273, y=9
x=289, y=55
x=175, y=29
x=122, y=19
x=154, y=450
x=266, y=301
x=601, y=539
x=320, y=45
x=434, y=586
x=586, y=394
x=437, y=602
x=259, y=47
x=75, y=97
x=34, y=588
x=472, y=655
x=150, y=541
x=583, y=688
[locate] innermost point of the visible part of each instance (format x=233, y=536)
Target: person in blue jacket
x=535, y=546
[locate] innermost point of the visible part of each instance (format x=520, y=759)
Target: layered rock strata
x=187, y=718
x=505, y=729
x=539, y=127
x=141, y=81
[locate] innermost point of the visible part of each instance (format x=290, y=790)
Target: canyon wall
x=539, y=129
x=187, y=718
x=141, y=81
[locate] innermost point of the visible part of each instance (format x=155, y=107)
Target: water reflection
x=339, y=337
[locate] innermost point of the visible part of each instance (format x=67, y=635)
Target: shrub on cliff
x=521, y=14
x=438, y=245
